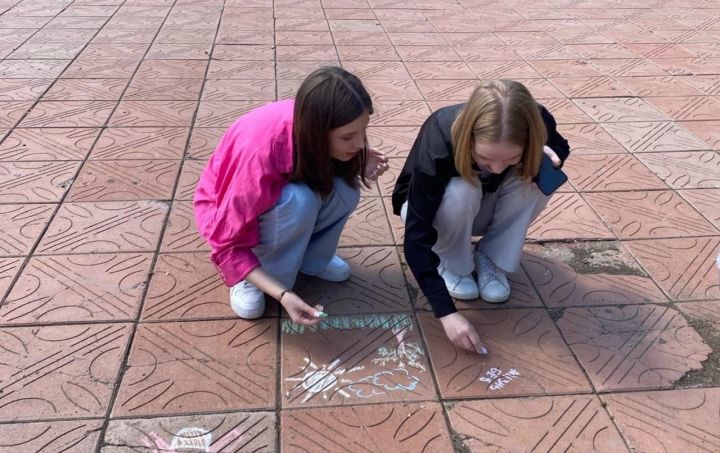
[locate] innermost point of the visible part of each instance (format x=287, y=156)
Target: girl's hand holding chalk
x=299, y=311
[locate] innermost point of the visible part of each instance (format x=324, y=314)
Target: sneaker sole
x=461, y=296
x=247, y=314
x=495, y=300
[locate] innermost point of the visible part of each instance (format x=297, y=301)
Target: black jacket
x=422, y=182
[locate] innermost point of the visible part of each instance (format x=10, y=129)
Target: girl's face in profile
x=496, y=157
x=346, y=142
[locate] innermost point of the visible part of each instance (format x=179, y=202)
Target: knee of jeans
x=350, y=195
x=299, y=201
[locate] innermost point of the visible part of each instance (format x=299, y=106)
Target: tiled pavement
x=115, y=331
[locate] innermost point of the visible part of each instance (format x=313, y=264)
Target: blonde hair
x=499, y=111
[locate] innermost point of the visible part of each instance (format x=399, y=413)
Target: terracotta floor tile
x=684, y=268
x=125, y=180
x=397, y=90
x=188, y=286
x=676, y=420
x=174, y=36
x=69, y=114
x=386, y=182
x=590, y=273
x=705, y=84
x=393, y=141
x=709, y=312
x=452, y=90
x=633, y=348
x=84, y=288
x=590, y=87
x=568, y=216
x=525, y=38
x=31, y=69
x=181, y=233
x=613, y=110
x=589, y=138
x=35, y=182
x=199, y=366
x=222, y=113
x=354, y=360
x=654, y=136
x=523, y=340
x=399, y=113
x=564, y=111
x=377, y=284
x=448, y=70
x=124, y=36
x=487, y=53
x=104, y=227
x=589, y=173
x=172, y=69
x=233, y=431
x=22, y=89
x=392, y=70
x=82, y=360
x=596, y=51
x=367, y=225
x=658, y=86
x=12, y=112
x=203, y=141
x=349, y=13
x=153, y=113
x=86, y=90
x=21, y=225
x=641, y=215
x=8, y=270
x=185, y=51
x=354, y=25
x=140, y=143
x=685, y=170
x=579, y=423
x=417, y=39
x=239, y=90
x=503, y=70
x=396, y=226
x=47, y=144
x=119, y=51
x=689, y=108
x=298, y=70
x=301, y=24
x=245, y=70
x=688, y=66
x=355, y=53
x=546, y=52
x=82, y=435
x=163, y=90
x=232, y=35
x=302, y=53
x=707, y=131
x=706, y=201
x=189, y=178
x=541, y=88
x=565, y=68
x=89, y=68
x=384, y=427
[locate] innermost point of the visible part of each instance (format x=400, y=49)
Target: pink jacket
x=243, y=179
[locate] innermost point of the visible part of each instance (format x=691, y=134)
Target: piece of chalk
x=321, y=314
x=483, y=350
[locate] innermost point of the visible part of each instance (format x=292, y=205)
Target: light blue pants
x=302, y=231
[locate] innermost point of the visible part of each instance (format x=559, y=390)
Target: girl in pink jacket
x=279, y=188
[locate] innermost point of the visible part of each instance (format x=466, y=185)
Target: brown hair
x=328, y=98
x=499, y=111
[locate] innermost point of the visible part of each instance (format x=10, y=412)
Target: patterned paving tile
x=487, y=53
x=222, y=113
x=688, y=108
x=188, y=286
x=367, y=225
x=565, y=68
x=181, y=233
x=11, y=112
x=399, y=113
x=684, y=268
x=352, y=360
x=654, y=136
x=123, y=180
x=86, y=90
x=124, y=51
x=707, y=131
x=640, y=215
x=636, y=347
x=445, y=70
x=676, y=420
x=244, y=70
x=589, y=273
x=189, y=178
x=706, y=201
x=589, y=173
x=234, y=90
x=589, y=138
x=705, y=84
x=184, y=51
x=65, y=288
x=527, y=357
x=586, y=87
x=80, y=360
x=199, y=366
x=564, y=111
x=130, y=226
x=377, y=284
x=658, y=86
x=579, y=423
x=153, y=113
x=69, y=114
x=89, y=68
x=140, y=143
x=82, y=435
x=22, y=89
x=203, y=142
x=8, y=270
x=21, y=226
x=163, y=90
x=614, y=110
x=384, y=427
x=172, y=69
x=35, y=182
x=31, y=69
x=233, y=431
x=45, y=144
x=568, y=216
x=685, y=170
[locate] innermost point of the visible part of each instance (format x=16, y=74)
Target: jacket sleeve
x=555, y=141
x=429, y=179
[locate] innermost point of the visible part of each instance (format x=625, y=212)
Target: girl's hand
x=377, y=164
x=299, y=311
x=462, y=334
x=553, y=156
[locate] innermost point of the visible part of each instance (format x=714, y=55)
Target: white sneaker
x=247, y=301
x=337, y=270
x=492, y=282
x=459, y=287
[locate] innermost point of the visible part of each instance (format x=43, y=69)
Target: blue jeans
x=301, y=233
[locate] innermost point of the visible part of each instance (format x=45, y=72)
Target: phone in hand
x=549, y=178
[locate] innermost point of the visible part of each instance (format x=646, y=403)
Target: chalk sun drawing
x=323, y=379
